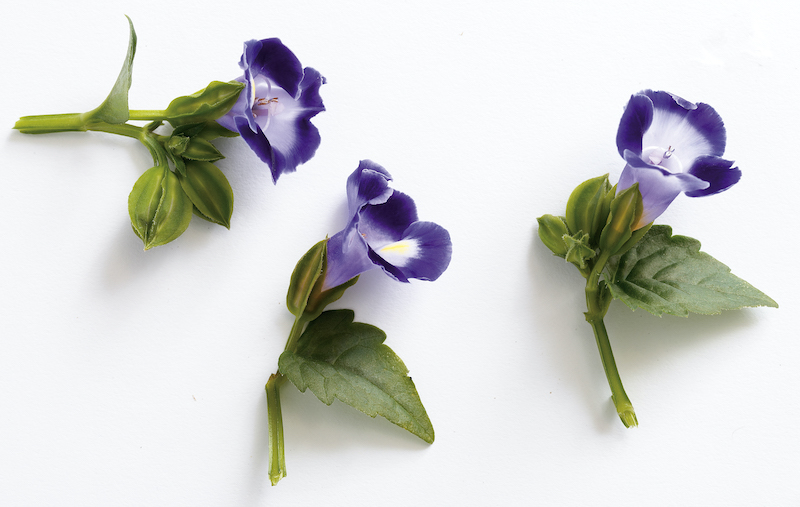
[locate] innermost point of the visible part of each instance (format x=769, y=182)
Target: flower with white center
x=274, y=111
x=671, y=146
x=384, y=232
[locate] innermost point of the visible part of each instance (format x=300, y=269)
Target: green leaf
x=337, y=358
x=115, y=108
x=209, y=191
x=669, y=274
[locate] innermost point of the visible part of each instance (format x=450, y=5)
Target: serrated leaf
x=669, y=274
x=338, y=358
x=115, y=108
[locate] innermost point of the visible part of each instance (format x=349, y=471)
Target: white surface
x=136, y=378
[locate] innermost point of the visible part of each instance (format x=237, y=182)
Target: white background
x=136, y=378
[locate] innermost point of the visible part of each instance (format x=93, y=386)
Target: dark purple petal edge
x=718, y=172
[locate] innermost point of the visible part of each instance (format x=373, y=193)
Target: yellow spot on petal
x=400, y=248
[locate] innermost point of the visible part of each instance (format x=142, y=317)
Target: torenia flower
x=384, y=232
x=274, y=111
x=671, y=146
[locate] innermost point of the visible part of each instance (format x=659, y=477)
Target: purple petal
x=661, y=119
x=347, y=256
x=368, y=184
x=385, y=223
x=701, y=117
x=636, y=119
x=657, y=186
x=255, y=139
x=424, y=253
x=270, y=58
x=294, y=141
x=718, y=172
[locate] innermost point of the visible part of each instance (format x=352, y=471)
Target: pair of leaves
x=338, y=358
x=669, y=274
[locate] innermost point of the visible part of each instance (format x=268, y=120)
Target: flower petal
x=347, y=256
x=294, y=141
x=270, y=58
x=636, y=119
x=368, y=184
x=385, y=223
x=657, y=186
x=424, y=253
x=718, y=172
x=661, y=119
x=700, y=117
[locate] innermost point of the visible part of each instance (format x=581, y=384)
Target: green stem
x=294, y=335
x=48, y=123
x=146, y=114
x=277, y=459
x=597, y=301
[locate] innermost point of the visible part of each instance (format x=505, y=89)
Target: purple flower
x=274, y=111
x=384, y=232
x=671, y=146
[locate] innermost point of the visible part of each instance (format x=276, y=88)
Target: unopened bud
x=626, y=209
x=552, y=230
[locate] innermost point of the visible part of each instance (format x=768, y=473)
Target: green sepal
x=669, y=274
x=578, y=249
x=626, y=209
x=319, y=298
x=200, y=149
x=587, y=207
x=304, y=276
x=115, y=108
x=186, y=141
x=177, y=144
x=209, y=191
x=208, y=104
x=552, y=230
x=338, y=358
x=212, y=130
x=158, y=207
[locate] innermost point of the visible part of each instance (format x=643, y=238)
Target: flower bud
x=158, y=207
x=304, y=276
x=208, y=104
x=551, y=231
x=305, y=296
x=626, y=209
x=587, y=208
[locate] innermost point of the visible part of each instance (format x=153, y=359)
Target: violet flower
x=274, y=111
x=384, y=232
x=671, y=146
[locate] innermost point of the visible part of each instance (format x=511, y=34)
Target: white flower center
x=663, y=157
x=268, y=101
